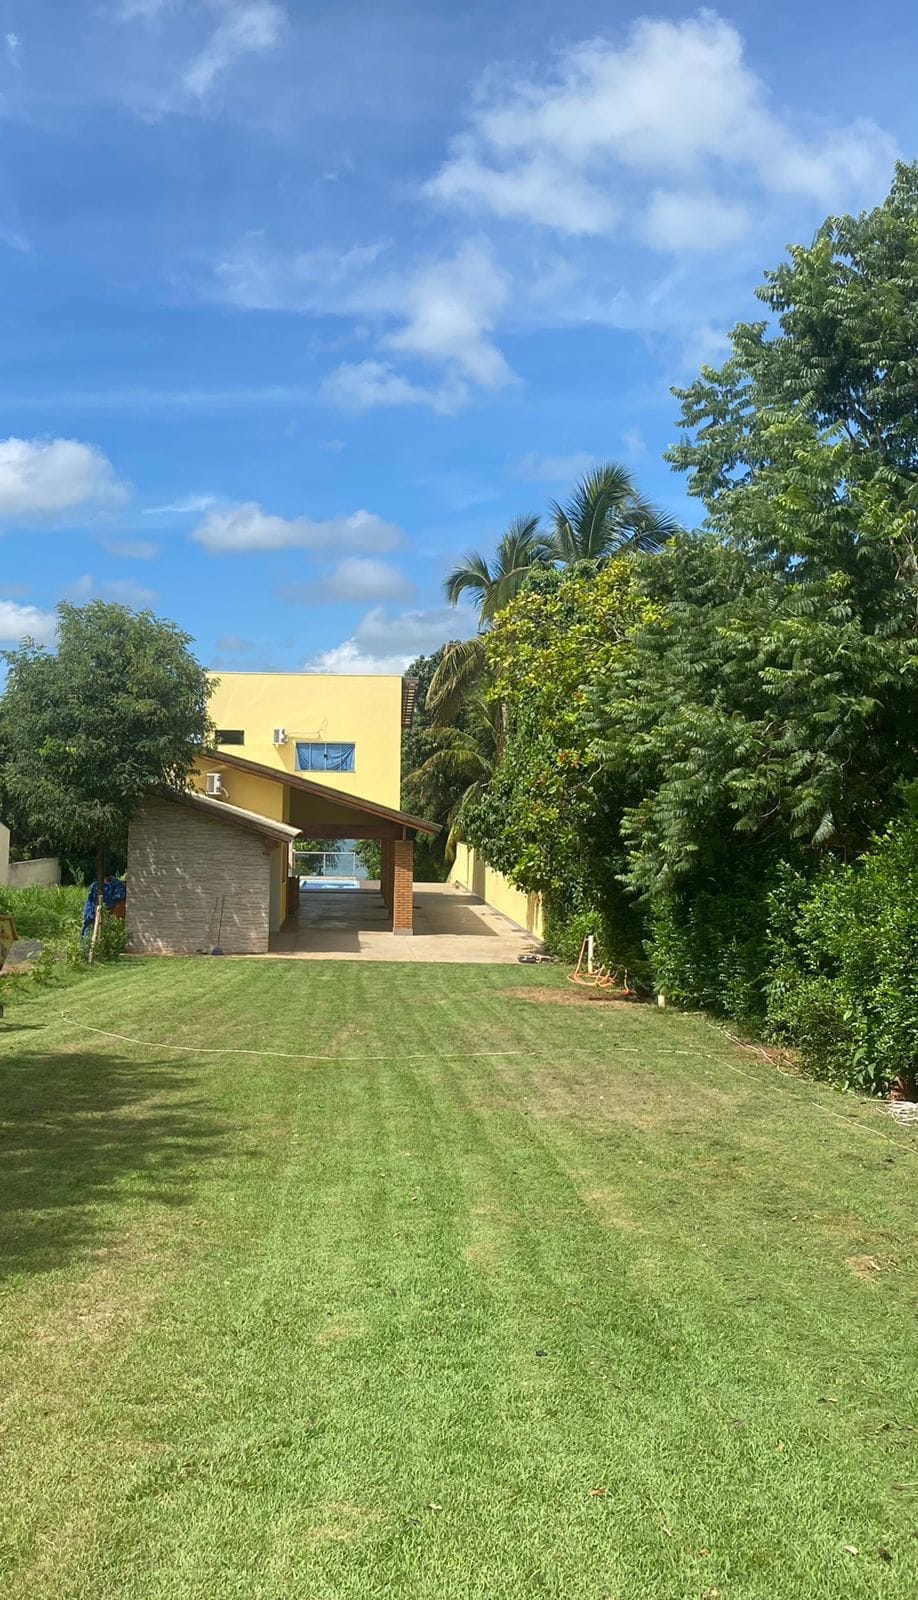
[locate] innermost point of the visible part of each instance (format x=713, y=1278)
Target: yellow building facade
x=336, y=729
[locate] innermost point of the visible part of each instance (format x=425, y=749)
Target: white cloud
x=124, y=591
x=25, y=622
x=15, y=239
x=146, y=10
x=441, y=313
x=256, y=278
x=46, y=478
x=13, y=46
x=573, y=150
x=693, y=220
x=363, y=385
x=537, y=189
x=634, y=442
x=132, y=549
x=249, y=527
x=350, y=659
x=244, y=29
x=450, y=307
x=356, y=578
x=382, y=643
x=536, y=468
x=190, y=503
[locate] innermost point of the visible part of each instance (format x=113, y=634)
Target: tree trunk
x=101, y=864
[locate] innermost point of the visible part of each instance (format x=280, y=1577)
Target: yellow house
x=320, y=754
x=335, y=729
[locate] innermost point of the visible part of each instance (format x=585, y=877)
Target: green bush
x=843, y=984
x=44, y=913
x=709, y=949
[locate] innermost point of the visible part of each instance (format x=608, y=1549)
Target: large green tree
x=547, y=817
x=765, y=710
x=119, y=706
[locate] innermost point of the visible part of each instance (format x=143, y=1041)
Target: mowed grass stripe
x=382, y=1328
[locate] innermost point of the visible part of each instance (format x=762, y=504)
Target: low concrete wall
x=43, y=873
x=472, y=871
x=4, y=853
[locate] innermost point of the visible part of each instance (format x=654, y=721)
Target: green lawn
x=624, y=1315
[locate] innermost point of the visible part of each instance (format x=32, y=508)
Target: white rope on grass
x=283, y=1055
x=462, y=1055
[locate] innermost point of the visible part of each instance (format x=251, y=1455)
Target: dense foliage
x=705, y=747
x=119, y=706
x=842, y=982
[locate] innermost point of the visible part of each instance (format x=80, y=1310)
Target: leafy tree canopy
x=120, y=706
x=804, y=445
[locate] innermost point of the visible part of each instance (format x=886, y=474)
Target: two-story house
x=294, y=754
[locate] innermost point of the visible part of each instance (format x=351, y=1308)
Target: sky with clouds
x=300, y=299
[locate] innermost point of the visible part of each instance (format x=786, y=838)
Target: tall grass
x=44, y=913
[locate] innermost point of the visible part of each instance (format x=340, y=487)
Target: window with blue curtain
x=324, y=757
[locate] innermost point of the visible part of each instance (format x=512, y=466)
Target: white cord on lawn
x=462, y=1055
x=283, y=1055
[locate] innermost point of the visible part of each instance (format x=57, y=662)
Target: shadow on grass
x=81, y=1133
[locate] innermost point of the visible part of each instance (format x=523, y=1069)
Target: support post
x=385, y=873
x=403, y=886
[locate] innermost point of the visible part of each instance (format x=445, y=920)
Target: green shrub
x=843, y=983
x=709, y=949
x=44, y=913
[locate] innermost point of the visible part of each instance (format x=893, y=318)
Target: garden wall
x=42, y=874
x=472, y=872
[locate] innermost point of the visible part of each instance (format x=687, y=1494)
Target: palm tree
x=605, y=515
x=458, y=674
x=459, y=765
x=523, y=547
x=493, y=585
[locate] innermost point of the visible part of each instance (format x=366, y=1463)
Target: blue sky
x=301, y=300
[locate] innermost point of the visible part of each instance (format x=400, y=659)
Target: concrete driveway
x=353, y=925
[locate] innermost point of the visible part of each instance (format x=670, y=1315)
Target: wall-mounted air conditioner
x=214, y=782
x=280, y=735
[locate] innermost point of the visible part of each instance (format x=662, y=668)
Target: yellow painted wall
x=473, y=873
x=326, y=707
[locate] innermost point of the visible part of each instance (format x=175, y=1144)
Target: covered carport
x=318, y=811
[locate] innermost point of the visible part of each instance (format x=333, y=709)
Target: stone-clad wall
x=180, y=863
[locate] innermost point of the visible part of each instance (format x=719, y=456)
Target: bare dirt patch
x=572, y=997
x=339, y=1522
x=338, y=1333
x=863, y=1266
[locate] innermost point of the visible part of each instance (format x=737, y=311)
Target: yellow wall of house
x=261, y=795
x=473, y=873
x=319, y=707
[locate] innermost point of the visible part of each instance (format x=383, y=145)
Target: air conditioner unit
x=280, y=735
x=215, y=787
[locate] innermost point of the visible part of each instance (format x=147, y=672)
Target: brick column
x=403, y=886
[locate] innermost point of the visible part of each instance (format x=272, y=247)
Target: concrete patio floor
x=353, y=925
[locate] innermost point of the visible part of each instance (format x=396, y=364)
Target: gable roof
x=221, y=811
x=324, y=791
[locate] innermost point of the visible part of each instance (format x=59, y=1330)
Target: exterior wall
x=328, y=707
x=180, y=865
x=243, y=789
x=43, y=873
x=267, y=799
x=473, y=873
x=4, y=853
